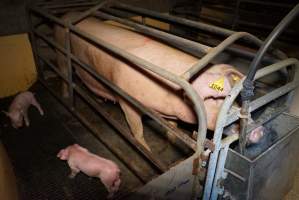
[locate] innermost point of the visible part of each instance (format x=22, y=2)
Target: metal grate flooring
x=40, y=174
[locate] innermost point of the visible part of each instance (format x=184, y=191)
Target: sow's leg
x=134, y=120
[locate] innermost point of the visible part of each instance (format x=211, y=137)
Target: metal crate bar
x=217, y=50
x=90, y=11
x=189, y=46
x=223, y=114
x=179, y=134
x=230, y=49
x=257, y=103
x=69, y=5
x=127, y=162
x=173, y=19
x=106, y=115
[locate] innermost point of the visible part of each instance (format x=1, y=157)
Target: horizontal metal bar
x=69, y=5
x=45, y=3
x=272, y=95
x=90, y=11
x=233, y=116
x=115, y=151
x=236, y=175
x=191, y=47
x=124, y=132
x=43, y=13
x=267, y=3
x=199, y=106
x=223, y=117
x=57, y=71
x=229, y=139
x=176, y=132
x=216, y=50
x=178, y=20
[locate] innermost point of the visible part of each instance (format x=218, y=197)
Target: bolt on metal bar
x=179, y=134
x=127, y=162
x=191, y=47
x=90, y=11
x=173, y=19
x=223, y=115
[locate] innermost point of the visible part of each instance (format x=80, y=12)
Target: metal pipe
x=69, y=5
x=216, y=50
x=232, y=49
x=198, y=103
x=219, y=172
x=191, y=47
x=57, y=71
x=222, y=118
x=176, y=132
x=69, y=66
x=269, y=41
x=34, y=45
x=173, y=19
x=115, y=151
x=90, y=11
x=248, y=84
x=124, y=132
x=261, y=73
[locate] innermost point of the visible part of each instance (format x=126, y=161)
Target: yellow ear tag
x=235, y=78
x=218, y=85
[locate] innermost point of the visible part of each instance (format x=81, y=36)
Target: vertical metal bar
x=143, y=20
x=90, y=11
x=218, y=49
x=33, y=40
x=236, y=17
x=124, y=132
x=223, y=114
x=128, y=163
x=69, y=65
x=219, y=172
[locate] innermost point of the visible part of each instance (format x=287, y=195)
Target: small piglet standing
x=18, y=109
x=80, y=159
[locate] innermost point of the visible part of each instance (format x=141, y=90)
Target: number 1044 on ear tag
x=217, y=85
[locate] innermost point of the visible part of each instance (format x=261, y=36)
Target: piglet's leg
x=26, y=118
x=37, y=105
x=74, y=172
x=135, y=123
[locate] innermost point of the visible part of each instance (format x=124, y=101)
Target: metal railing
x=206, y=53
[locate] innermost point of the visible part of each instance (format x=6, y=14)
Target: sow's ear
x=233, y=76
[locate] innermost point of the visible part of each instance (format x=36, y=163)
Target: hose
x=248, y=84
